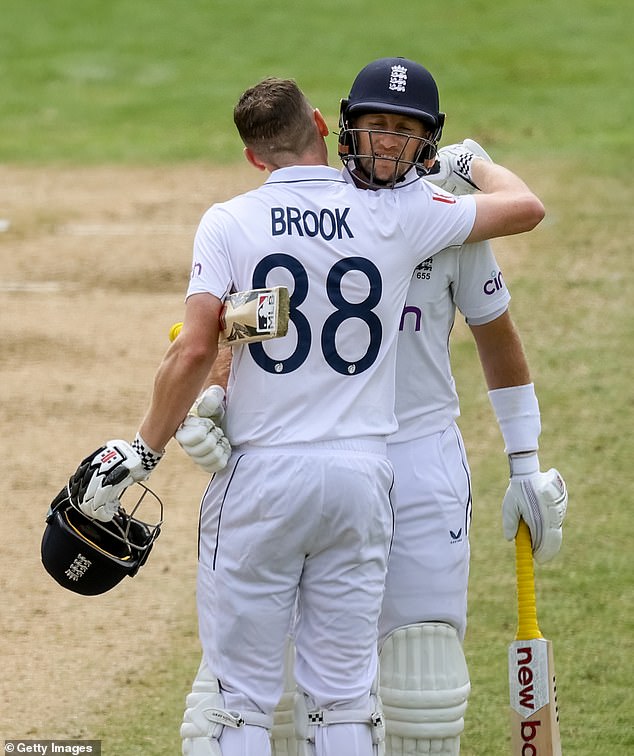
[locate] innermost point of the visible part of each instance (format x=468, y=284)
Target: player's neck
x=316, y=156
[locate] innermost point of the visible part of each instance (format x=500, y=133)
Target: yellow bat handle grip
x=527, y=627
x=175, y=330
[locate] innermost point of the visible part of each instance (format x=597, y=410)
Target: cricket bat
x=248, y=316
x=533, y=691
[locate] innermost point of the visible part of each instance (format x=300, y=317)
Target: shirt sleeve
x=433, y=219
x=480, y=292
x=211, y=268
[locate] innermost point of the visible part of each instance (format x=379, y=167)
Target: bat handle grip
x=527, y=626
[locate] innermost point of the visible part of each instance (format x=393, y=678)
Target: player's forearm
x=505, y=204
x=501, y=353
x=219, y=373
x=178, y=382
x=491, y=178
x=511, y=392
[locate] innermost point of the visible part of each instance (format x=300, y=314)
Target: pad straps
x=325, y=717
x=239, y=718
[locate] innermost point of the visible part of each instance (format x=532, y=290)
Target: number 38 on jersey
x=330, y=323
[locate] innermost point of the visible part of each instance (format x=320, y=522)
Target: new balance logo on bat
x=528, y=676
x=526, y=693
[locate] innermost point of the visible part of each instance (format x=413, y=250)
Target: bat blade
x=251, y=316
x=534, y=712
x=532, y=684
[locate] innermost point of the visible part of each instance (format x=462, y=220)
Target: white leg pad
x=283, y=739
x=424, y=688
x=205, y=717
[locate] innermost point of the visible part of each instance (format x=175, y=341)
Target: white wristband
x=523, y=464
x=517, y=411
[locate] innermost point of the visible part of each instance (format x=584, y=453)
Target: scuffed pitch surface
x=95, y=263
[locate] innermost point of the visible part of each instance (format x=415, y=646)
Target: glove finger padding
x=541, y=500
x=203, y=441
x=477, y=149
x=211, y=404
x=97, y=484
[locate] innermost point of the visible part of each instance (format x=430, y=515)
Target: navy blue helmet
x=90, y=557
x=392, y=85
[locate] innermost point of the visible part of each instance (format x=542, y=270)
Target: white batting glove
x=203, y=441
x=541, y=500
x=201, y=437
x=100, y=480
x=211, y=404
x=452, y=171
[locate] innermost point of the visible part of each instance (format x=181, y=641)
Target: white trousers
x=428, y=569
x=311, y=524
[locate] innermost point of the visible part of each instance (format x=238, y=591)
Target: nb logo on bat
x=528, y=676
x=529, y=732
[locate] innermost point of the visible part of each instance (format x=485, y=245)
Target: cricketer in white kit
x=428, y=443
x=424, y=679
x=304, y=502
x=301, y=515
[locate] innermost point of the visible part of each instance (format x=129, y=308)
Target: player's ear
x=253, y=159
x=322, y=126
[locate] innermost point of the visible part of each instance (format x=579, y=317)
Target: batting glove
x=201, y=437
x=541, y=500
x=102, y=477
x=211, y=404
x=203, y=441
x=452, y=170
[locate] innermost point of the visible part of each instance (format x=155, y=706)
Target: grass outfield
x=546, y=88
x=141, y=81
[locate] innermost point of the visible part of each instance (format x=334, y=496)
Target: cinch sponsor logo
x=197, y=269
x=525, y=677
x=495, y=283
x=328, y=224
x=411, y=313
x=528, y=733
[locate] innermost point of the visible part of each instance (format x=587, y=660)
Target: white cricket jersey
x=465, y=277
x=346, y=257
